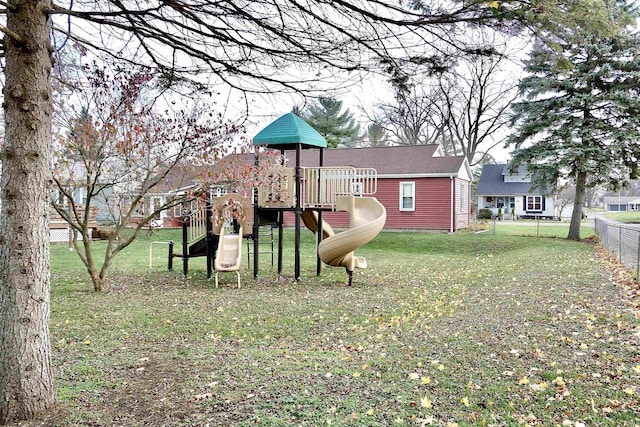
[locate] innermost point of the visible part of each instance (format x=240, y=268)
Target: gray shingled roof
x=492, y=183
x=621, y=199
x=397, y=160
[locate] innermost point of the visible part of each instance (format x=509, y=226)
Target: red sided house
x=419, y=186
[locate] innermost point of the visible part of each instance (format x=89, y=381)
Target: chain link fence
x=621, y=240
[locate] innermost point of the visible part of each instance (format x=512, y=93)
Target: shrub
x=485, y=214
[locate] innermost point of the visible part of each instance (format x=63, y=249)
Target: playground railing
x=197, y=222
x=323, y=184
x=367, y=178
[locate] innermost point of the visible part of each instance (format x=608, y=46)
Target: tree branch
x=15, y=36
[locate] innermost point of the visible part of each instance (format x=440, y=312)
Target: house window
x=407, y=196
x=156, y=204
x=463, y=198
x=517, y=178
x=127, y=205
x=534, y=203
x=80, y=196
x=218, y=191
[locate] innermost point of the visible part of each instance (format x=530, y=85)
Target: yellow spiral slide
x=366, y=219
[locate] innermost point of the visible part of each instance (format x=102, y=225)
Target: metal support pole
x=638, y=260
x=170, y=260
x=319, y=237
x=209, y=251
x=298, y=212
x=185, y=247
x=620, y=244
x=280, y=236
x=320, y=233
x=256, y=219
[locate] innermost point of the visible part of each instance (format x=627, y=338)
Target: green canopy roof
x=288, y=131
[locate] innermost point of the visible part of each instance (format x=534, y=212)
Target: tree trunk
x=26, y=382
x=576, y=216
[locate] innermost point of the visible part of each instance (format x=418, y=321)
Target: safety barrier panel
x=323, y=184
x=197, y=217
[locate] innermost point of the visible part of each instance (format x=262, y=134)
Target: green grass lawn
x=543, y=228
x=440, y=329
x=632, y=217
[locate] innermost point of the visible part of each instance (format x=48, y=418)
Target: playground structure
x=214, y=227
x=306, y=192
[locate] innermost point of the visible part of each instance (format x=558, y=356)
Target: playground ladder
x=265, y=239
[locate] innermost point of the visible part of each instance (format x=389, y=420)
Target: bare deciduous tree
x=117, y=150
x=413, y=119
x=474, y=101
x=563, y=197
x=462, y=106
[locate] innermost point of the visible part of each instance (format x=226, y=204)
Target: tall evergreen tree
x=580, y=118
x=338, y=127
x=377, y=135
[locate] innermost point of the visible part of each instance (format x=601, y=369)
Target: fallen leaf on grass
x=425, y=402
x=540, y=386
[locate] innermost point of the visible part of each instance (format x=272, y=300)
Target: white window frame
x=156, y=203
x=517, y=178
x=412, y=186
x=463, y=197
x=533, y=203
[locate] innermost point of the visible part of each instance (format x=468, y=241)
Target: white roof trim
x=418, y=175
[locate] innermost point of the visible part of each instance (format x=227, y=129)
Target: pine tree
x=327, y=117
x=377, y=135
x=581, y=115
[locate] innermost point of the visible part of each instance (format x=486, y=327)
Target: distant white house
x=512, y=193
x=622, y=203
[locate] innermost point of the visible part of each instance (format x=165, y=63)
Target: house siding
x=432, y=206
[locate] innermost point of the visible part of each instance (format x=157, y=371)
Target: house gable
x=503, y=190
x=498, y=180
